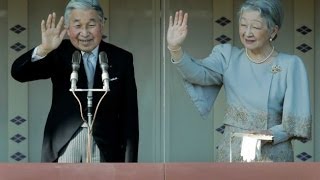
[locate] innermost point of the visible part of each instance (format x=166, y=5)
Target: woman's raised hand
x=177, y=30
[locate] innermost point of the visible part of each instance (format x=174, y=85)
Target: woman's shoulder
x=289, y=58
x=223, y=54
x=291, y=62
x=226, y=47
x=227, y=50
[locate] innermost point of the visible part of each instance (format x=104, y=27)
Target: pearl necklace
x=261, y=61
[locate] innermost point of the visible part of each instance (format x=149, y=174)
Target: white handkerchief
x=250, y=148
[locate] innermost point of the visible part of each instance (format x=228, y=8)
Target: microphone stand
x=89, y=114
x=103, y=59
x=90, y=117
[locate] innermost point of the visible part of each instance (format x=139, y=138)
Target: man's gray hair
x=83, y=4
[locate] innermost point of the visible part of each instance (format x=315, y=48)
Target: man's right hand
x=52, y=34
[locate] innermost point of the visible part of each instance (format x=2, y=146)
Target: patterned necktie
x=90, y=69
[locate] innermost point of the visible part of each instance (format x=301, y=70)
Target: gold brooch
x=275, y=69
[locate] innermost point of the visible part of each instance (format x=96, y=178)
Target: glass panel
x=171, y=129
x=188, y=137
x=134, y=26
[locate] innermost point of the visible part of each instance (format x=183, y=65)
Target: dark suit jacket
x=116, y=128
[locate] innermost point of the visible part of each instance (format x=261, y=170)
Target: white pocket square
x=113, y=79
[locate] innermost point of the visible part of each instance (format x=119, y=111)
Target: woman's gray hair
x=270, y=10
x=82, y=4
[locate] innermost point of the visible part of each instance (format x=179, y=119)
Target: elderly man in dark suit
x=115, y=129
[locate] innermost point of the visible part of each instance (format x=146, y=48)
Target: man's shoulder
x=112, y=48
x=66, y=45
x=66, y=42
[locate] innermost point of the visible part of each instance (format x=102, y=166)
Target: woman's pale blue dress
x=269, y=96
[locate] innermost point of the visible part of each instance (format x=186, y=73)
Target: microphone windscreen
x=103, y=58
x=76, y=57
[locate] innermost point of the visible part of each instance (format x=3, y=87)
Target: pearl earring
x=270, y=39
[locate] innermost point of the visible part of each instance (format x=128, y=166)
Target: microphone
x=76, y=58
x=103, y=59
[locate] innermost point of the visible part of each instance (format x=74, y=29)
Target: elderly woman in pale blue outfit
x=267, y=92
